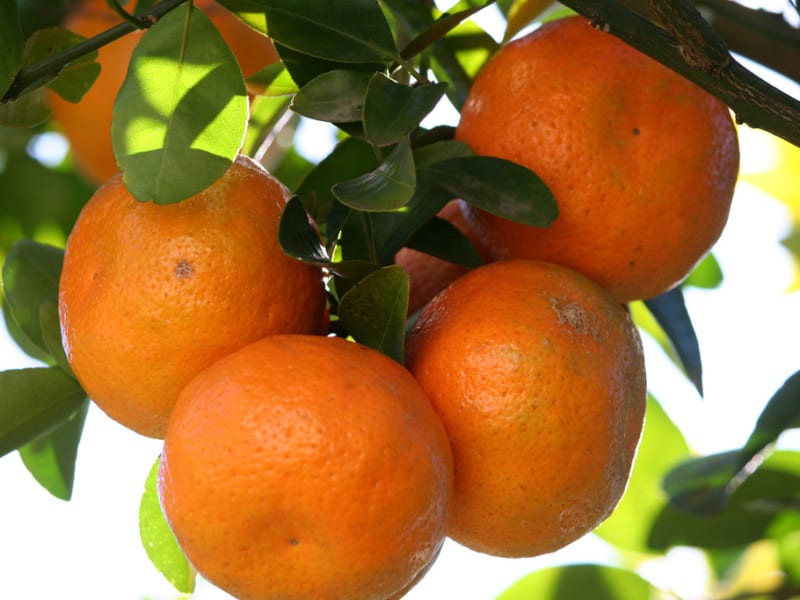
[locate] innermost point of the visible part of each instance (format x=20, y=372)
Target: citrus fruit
x=538, y=376
x=642, y=162
x=151, y=294
x=429, y=275
x=306, y=467
x=87, y=124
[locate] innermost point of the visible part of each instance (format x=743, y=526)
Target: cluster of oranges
x=296, y=464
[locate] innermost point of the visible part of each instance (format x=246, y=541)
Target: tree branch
x=760, y=35
x=701, y=57
x=32, y=76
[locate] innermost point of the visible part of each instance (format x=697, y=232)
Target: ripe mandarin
x=641, y=161
x=538, y=376
x=307, y=467
x=151, y=294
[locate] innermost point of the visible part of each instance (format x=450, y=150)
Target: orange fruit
x=538, y=376
x=429, y=275
x=306, y=467
x=87, y=124
x=149, y=294
x=642, y=162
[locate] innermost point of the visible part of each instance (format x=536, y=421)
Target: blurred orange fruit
x=307, y=467
x=87, y=124
x=538, y=376
x=642, y=162
x=149, y=294
x=429, y=275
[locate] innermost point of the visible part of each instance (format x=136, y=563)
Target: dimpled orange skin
x=307, y=467
x=642, y=162
x=429, y=275
x=149, y=294
x=538, y=376
x=87, y=124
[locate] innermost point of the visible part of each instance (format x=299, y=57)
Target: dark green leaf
x=392, y=230
x=388, y=187
x=304, y=67
x=430, y=154
x=581, y=582
x=356, y=35
x=182, y=109
x=349, y=159
x=392, y=110
x=335, y=96
x=51, y=457
x=441, y=27
x=498, y=186
x=662, y=447
x=11, y=41
x=706, y=484
x=299, y=238
x=51, y=333
x=763, y=499
x=33, y=402
x=28, y=111
x=74, y=80
x=374, y=311
x=30, y=277
x=249, y=11
x=444, y=240
x=158, y=540
x=669, y=309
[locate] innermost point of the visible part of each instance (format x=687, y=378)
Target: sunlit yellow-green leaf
x=522, y=13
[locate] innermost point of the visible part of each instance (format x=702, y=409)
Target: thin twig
x=32, y=76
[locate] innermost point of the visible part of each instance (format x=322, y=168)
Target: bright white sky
x=89, y=548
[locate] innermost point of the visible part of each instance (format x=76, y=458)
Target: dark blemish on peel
x=184, y=269
x=294, y=542
x=636, y=131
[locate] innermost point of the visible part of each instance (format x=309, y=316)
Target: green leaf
x=335, y=96
x=266, y=113
x=761, y=501
x=357, y=35
x=30, y=277
x=249, y=11
x=33, y=402
x=441, y=27
x=158, y=540
x=669, y=309
x=374, y=310
x=181, y=110
x=662, y=447
x=77, y=77
x=442, y=239
x=51, y=333
x=29, y=110
x=299, y=239
x=498, y=186
x=388, y=187
x=706, y=275
x=274, y=80
x=581, y=582
x=51, y=457
x=11, y=42
x=392, y=110
x=705, y=485
x=430, y=154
